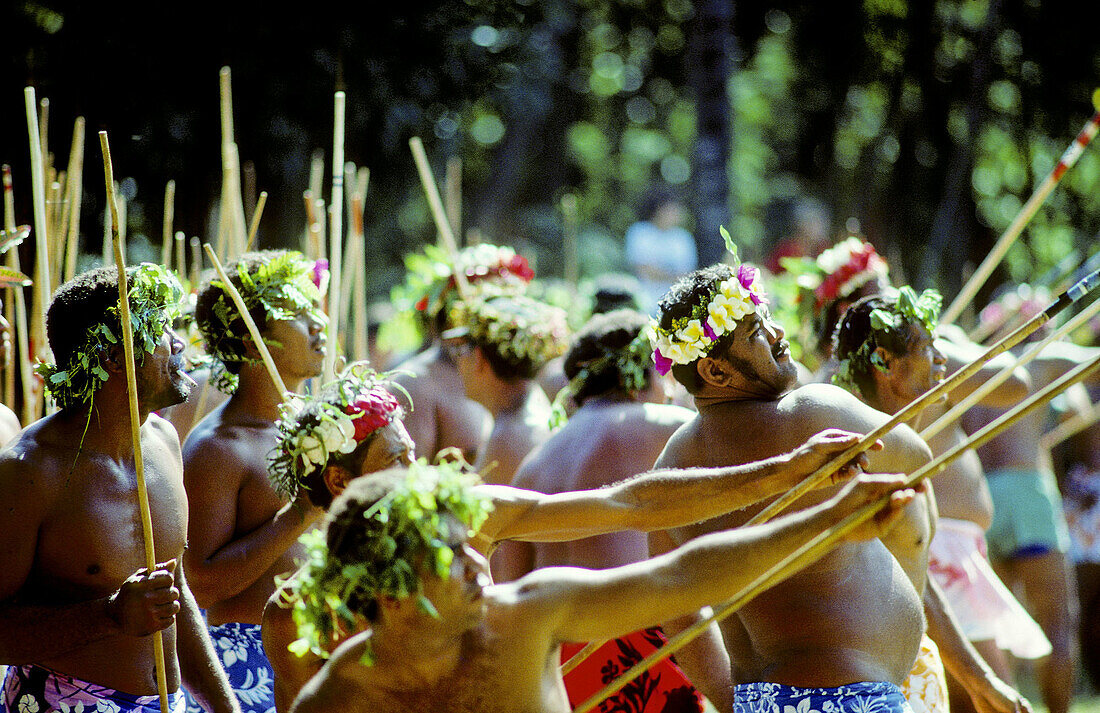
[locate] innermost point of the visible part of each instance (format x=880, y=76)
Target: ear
x=336, y=479
x=882, y=360
x=114, y=361
x=714, y=372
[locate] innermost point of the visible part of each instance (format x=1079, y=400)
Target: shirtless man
x=1028, y=539
x=77, y=606
x=243, y=533
x=853, y=621
x=888, y=357
x=443, y=638
x=621, y=424
x=375, y=439
x=440, y=416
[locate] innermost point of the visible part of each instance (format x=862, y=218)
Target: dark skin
x=852, y=616
x=242, y=533
x=76, y=597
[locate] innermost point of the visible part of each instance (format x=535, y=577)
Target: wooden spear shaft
x=253, y=330
x=22, y=342
x=76, y=180
x=166, y=228
x=336, y=238
x=970, y=289
x=1001, y=376
x=822, y=543
x=442, y=224
x=43, y=288
x=1069, y=297
x=135, y=419
x=255, y=225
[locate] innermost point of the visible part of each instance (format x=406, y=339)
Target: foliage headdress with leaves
x=380, y=549
x=341, y=416
x=154, y=299
x=278, y=284
x=693, y=336
x=887, y=324
x=524, y=332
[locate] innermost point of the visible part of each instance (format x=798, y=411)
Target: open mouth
x=781, y=351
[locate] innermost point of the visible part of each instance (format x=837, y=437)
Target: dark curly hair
x=77, y=306
x=854, y=329
x=690, y=290
x=601, y=336
x=231, y=340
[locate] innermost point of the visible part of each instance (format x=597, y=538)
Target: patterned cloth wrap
x=662, y=689
x=241, y=652
x=926, y=687
x=984, y=606
x=1082, y=508
x=866, y=697
x=33, y=689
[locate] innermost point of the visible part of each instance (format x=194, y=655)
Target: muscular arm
x=334, y=688
x=988, y=692
x=220, y=564
x=291, y=671
x=199, y=666
x=657, y=500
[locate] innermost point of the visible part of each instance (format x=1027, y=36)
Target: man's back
x=71, y=533
x=852, y=616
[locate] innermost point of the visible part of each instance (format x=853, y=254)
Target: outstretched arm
x=587, y=605
x=660, y=499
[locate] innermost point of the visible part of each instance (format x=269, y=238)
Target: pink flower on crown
x=370, y=411
x=661, y=363
x=320, y=271
x=746, y=275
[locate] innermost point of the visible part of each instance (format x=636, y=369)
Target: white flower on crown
x=730, y=305
x=338, y=434
x=837, y=256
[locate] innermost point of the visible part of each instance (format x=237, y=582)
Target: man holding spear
x=242, y=532
x=77, y=606
x=845, y=630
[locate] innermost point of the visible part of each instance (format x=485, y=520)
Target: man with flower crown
x=439, y=416
x=77, y=606
x=242, y=533
x=843, y=633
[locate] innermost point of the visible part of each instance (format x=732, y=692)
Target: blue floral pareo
x=241, y=651
x=869, y=697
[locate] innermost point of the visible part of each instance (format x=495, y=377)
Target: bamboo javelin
x=169, y=216
x=196, y=261
x=442, y=223
x=336, y=238
x=253, y=330
x=76, y=197
x=256, y=215
x=181, y=256
x=1069, y=297
x=135, y=420
x=822, y=543
x=1076, y=148
x=1070, y=427
x=1000, y=377
x=43, y=288
x=22, y=335
x=452, y=182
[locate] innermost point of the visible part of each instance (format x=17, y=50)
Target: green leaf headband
x=519, y=328
x=154, y=296
x=383, y=554
x=630, y=363
x=283, y=286
x=908, y=308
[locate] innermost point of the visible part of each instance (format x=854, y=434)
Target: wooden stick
x=135, y=419
x=253, y=330
x=362, y=319
x=166, y=230
x=43, y=288
x=181, y=255
x=256, y=215
x=22, y=335
x=1000, y=377
x=452, y=182
x=196, y=262
x=442, y=223
x=569, y=237
x=76, y=197
x=336, y=238
x=1069, y=297
x=56, y=214
x=307, y=198
x=822, y=543
x=970, y=289
x=44, y=130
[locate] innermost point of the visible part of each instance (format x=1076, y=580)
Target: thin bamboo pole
x=1070, y=427
x=452, y=182
x=817, y=547
x=336, y=238
x=22, y=335
x=42, y=285
x=76, y=197
x=256, y=215
x=253, y=330
x=997, y=253
x=135, y=418
x=442, y=223
x=181, y=255
x=169, y=217
x=196, y=261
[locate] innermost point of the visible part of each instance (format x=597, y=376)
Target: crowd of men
x=536, y=500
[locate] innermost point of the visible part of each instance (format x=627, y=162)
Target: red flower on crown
x=370, y=411
x=864, y=261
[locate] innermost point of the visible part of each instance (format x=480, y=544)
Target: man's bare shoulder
x=217, y=448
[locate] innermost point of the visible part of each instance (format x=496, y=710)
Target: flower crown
x=154, y=298
x=336, y=421
x=520, y=329
x=284, y=283
x=693, y=336
x=844, y=268
x=430, y=279
x=908, y=308
x=403, y=530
